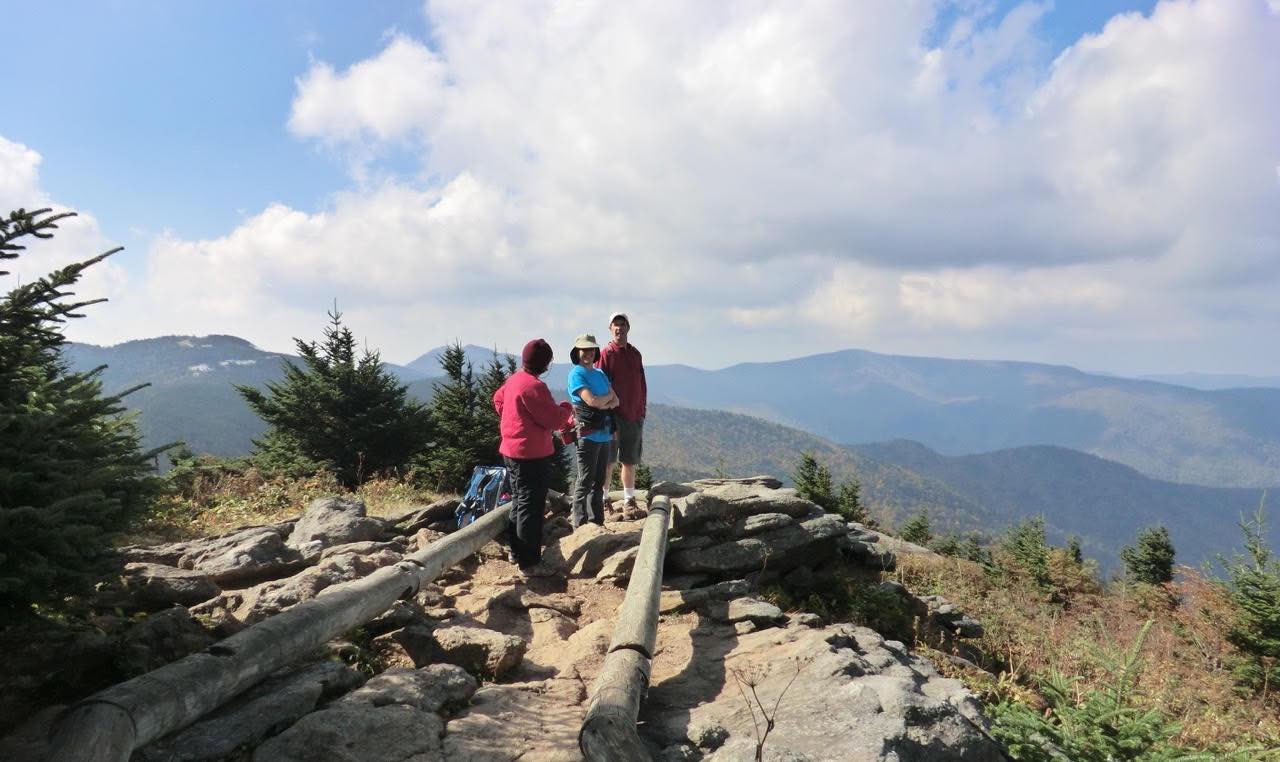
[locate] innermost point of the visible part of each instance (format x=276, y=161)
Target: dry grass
x=220, y=499
x=1185, y=657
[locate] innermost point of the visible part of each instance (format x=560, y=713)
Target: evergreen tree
x=339, y=411
x=1150, y=560
x=466, y=424
x=1254, y=583
x=849, y=502
x=1025, y=548
x=813, y=481
x=71, y=471
x=1074, y=550
x=917, y=529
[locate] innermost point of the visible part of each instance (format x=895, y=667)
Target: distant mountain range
x=191, y=398
x=1211, y=381
x=1223, y=438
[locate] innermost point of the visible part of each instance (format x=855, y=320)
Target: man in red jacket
x=621, y=362
x=527, y=415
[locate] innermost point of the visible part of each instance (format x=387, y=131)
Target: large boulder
x=727, y=503
x=157, y=586
x=330, y=521
x=479, y=650
x=805, y=543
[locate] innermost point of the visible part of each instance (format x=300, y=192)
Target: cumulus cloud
x=897, y=175
x=76, y=239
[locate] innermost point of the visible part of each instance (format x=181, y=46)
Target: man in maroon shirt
x=621, y=362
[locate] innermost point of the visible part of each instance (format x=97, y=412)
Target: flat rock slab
x=584, y=552
x=430, y=688
x=249, y=554
x=855, y=697
x=524, y=721
x=745, y=610
x=393, y=733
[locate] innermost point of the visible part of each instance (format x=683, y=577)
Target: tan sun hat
x=585, y=341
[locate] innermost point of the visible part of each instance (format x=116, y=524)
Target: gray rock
x=670, y=489
x=159, y=586
x=584, y=552
x=161, y=638
x=334, y=521
x=744, y=610
x=676, y=600
x=273, y=705
x=869, y=554
x=252, y=553
x=730, y=502
x=840, y=705
x=618, y=567
x=343, y=564
x=479, y=650
x=689, y=542
x=761, y=522
x=804, y=543
x=430, y=688
x=393, y=733
x=764, y=480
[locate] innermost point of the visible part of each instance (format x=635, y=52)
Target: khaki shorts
x=628, y=446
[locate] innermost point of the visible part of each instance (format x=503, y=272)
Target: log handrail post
x=109, y=725
x=609, y=729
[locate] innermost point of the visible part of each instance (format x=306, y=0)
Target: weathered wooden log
x=609, y=729
x=109, y=725
x=637, y=626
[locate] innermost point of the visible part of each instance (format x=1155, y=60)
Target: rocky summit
x=485, y=664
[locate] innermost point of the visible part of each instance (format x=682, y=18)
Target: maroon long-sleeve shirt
x=625, y=369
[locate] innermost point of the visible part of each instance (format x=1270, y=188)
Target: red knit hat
x=536, y=356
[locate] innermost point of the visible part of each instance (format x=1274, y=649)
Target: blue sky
x=213, y=135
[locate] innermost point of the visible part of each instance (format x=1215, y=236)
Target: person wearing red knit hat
x=527, y=415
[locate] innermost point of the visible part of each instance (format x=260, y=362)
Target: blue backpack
x=488, y=489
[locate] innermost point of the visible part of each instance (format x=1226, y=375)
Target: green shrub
x=1089, y=726
x=813, y=481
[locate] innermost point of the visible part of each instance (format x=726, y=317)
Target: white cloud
x=75, y=239
x=845, y=173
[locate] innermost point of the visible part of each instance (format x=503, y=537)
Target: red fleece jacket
x=528, y=415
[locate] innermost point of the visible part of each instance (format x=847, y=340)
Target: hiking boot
x=540, y=569
x=632, y=511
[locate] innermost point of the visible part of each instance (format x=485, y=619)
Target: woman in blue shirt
x=593, y=402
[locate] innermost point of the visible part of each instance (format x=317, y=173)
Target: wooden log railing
x=609, y=730
x=109, y=725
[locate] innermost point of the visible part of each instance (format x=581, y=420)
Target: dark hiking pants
x=529, y=480
x=588, y=490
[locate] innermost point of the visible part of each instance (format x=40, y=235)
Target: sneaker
x=539, y=569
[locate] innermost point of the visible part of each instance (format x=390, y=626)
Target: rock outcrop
x=483, y=664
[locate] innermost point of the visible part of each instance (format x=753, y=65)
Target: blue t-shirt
x=596, y=382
